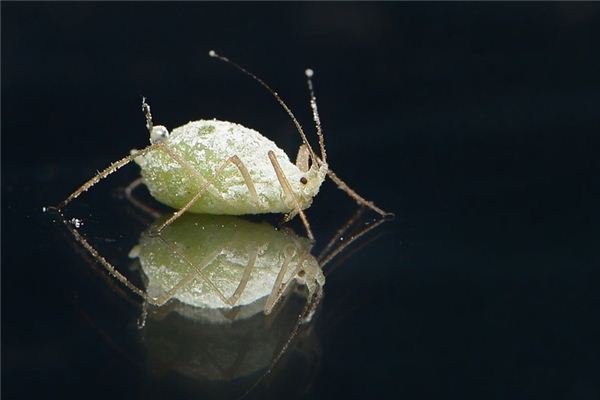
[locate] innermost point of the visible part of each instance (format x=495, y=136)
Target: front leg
x=289, y=193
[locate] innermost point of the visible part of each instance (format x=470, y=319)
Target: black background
x=477, y=124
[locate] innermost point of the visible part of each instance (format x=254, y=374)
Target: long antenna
x=147, y=114
x=313, y=105
x=214, y=54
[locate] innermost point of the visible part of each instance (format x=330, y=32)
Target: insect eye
x=301, y=273
x=303, y=181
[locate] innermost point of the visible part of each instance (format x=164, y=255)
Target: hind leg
x=235, y=160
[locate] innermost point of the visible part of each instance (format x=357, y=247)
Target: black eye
x=301, y=273
x=303, y=181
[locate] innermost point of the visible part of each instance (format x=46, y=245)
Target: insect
x=219, y=167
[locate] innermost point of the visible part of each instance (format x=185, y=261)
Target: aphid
x=219, y=167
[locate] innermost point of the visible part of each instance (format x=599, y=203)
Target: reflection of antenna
x=359, y=212
x=324, y=257
x=352, y=239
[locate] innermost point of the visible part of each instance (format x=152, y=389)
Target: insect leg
x=287, y=189
x=137, y=203
x=339, y=234
x=105, y=263
x=196, y=270
x=280, y=286
x=326, y=258
x=244, y=281
x=235, y=160
x=106, y=172
x=246, y=175
x=359, y=199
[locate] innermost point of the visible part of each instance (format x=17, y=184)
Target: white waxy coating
x=205, y=145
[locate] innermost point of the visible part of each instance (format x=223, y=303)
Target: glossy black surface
x=477, y=124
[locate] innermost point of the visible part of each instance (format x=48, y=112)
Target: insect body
x=219, y=167
x=234, y=164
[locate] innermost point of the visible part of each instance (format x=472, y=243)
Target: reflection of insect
x=218, y=167
x=219, y=262
x=224, y=269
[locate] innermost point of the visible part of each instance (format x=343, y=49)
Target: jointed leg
x=324, y=260
x=280, y=286
x=232, y=301
x=106, y=172
x=335, y=239
x=196, y=270
x=231, y=160
x=247, y=178
x=105, y=263
x=129, y=195
x=287, y=189
x=359, y=199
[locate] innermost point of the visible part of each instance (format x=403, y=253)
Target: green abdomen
x=175, y=185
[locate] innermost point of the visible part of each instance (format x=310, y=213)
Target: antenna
x=313, y=105
x=214, y=54
x=147, y=114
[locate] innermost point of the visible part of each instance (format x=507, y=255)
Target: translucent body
x=205, y=146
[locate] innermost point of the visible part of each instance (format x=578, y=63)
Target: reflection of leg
x=311, y=304
x=197, y=270
x=106, y=172
x=161, y=300
x=232, y=301
x=359, y=199
x=204, y=186
x=280, y=286
x=105, y=263
x=137, y=203
x=325, y=259
x=341, y=232
x=289, y=193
